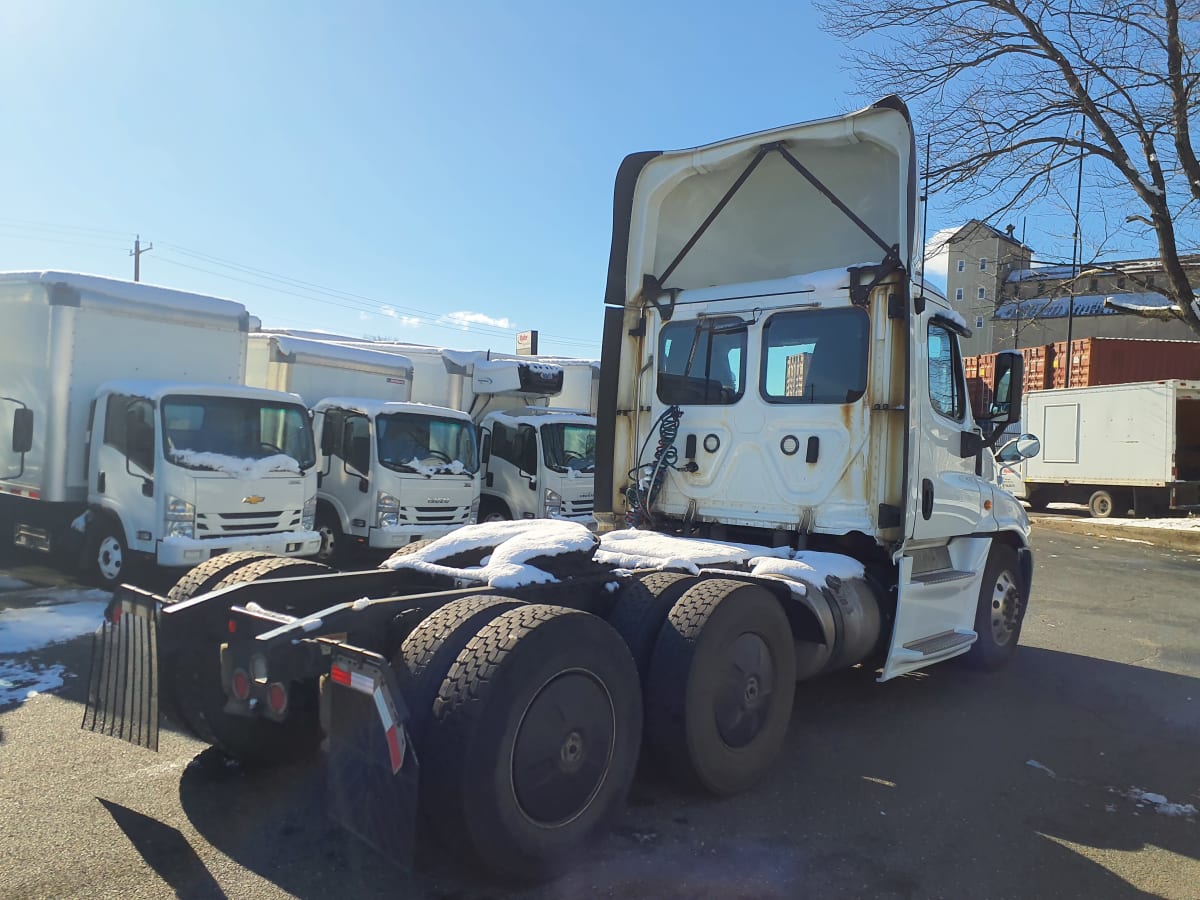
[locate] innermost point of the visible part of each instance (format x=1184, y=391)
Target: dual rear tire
x=527, y=720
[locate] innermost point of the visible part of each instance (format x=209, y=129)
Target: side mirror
x=22, y=430
x=533, y=482
x=485, y=448
x=1007, y=392
x=1027, y=446
x=328, y=438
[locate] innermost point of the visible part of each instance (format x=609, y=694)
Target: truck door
x=346, y=481
x=122, y=479
x=512, y=468
x=944, y=490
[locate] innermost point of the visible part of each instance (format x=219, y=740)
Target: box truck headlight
x=473, y=513
x=180, y=518
x=387, y=510
x=553, y=503
x=308, y=515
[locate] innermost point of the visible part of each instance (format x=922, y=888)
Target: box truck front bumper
x=186, y=552
x=396, y=536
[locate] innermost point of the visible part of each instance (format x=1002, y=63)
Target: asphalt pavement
x=1069, y=774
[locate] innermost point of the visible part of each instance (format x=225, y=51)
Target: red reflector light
x=277, y=698
x=232, y=627
x=241, y=684
x=341, y=676
x=395, y=751
x=116, y=614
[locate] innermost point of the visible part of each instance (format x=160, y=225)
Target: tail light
x=277, y=698
x=241, y=684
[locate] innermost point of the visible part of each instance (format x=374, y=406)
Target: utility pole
x=136, y=253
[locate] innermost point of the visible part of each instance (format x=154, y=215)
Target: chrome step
x=940, y=643
x=941, y=576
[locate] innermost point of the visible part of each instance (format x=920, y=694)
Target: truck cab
x=183, y=472
x=390, y=473
x=539, y=463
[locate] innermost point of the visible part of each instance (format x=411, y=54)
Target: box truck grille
x=267, y=521
x=434, y=515
x=577, y=507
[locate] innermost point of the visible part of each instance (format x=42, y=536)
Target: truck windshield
x=409, y=442
x=569, y=447
x=227, y=433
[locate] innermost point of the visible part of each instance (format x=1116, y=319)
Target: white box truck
x=1117, y=448
x=133, y=433
x=538, y=461
x=389, y=471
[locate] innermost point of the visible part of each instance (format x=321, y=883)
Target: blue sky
x=428, y=172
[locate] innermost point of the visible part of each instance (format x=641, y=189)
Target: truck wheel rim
x=1006, y=607
x=328, y=542
x=1103, y=506
x=743, y=696
x=108, y=557
x=563, y=748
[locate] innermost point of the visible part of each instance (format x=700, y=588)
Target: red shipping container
x=1098, y=361
x=980, y=394
x=1038, y=370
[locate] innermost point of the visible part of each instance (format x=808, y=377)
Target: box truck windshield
x=569, y=447
x=220, y=433
x=410, y=442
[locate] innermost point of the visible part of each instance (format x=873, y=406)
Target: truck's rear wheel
x=722, y=680
x=641, y=608
x=1102, y=505
x=534, y=741
x=1000, y=612
x=202, y=578
x=430, y=650
x=200, y=698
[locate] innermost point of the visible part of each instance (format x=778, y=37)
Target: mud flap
x=372, y=770
x=123, y=684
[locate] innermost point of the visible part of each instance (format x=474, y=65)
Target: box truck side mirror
x=22, y=430
x=1007, y=388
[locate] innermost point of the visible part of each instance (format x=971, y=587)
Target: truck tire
x=1101, y=505
x=202, y=578
x=108, y=553
x=640, y=609
x=332, y=549
x=429, y=651
x=534, y=740
x=200, y=698
x=722, y=680
x=1000, y=611
x=493, y=510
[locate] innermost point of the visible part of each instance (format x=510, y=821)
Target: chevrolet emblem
x=253, y=498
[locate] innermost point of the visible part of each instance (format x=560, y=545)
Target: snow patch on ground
x=19, y=682
x=1161, y=804
x=8, y=583
x=1034, y=764
x=52, y=622
x=243, y=468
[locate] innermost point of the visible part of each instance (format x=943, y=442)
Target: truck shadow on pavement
x=949, y=783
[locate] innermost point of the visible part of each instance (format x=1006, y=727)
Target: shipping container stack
x=1098, y=361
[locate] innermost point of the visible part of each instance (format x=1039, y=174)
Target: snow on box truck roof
x=138, y=296
x=325, y=352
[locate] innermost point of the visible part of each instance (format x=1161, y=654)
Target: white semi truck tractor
x=790, y=481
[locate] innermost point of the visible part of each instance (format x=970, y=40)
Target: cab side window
x=946, y=390
x=356, y=442
x=129, y=428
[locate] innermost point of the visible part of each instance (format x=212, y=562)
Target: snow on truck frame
x=787, y=427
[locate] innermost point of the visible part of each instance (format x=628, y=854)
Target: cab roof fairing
x=776, y=224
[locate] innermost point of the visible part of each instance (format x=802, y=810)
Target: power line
x=294, y=287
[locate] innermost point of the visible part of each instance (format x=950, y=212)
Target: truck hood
x=743, y=210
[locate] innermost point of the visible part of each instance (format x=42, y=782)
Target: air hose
x=646, y=479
